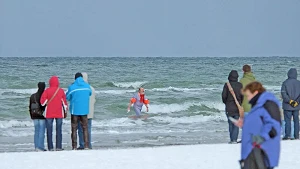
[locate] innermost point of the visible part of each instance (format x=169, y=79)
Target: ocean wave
x=19, y=91
x=172, y=108
x=190, y=119
x=15, y=123
x=273, y=88
x=115, y=92
x=183, y=89
x=132, y=85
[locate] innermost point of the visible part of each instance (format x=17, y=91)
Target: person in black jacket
x=36, y=111
x=231, y=107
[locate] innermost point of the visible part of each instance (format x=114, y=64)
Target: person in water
x=138, y=100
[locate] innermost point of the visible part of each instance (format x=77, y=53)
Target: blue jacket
x=79, y=96
x=259, y=122
x=290, y=90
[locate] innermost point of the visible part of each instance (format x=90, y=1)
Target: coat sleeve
x=64, y=100
x=241, y=94
x=30, y=102
x=274, y=111
x=44, y=98
x=225, y=94
x=285, y=96
x=91, y=91
x=268, y=123
x=68, y=95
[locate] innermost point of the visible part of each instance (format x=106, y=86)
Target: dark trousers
x=83, y=121
x=233, y=130
x=257, y=159
x=287, y=118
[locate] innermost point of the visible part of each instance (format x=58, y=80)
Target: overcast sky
x=150, y=28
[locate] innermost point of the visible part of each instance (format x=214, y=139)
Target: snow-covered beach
x=212, y=156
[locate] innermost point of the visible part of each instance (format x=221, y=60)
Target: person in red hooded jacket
x=54, y=98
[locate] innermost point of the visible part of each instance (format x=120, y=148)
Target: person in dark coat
x=232, y=109
x=36, y=111
x=290, y=92
x=261, y=129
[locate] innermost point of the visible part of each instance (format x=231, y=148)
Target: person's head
x=53, y=81
x=252, y=89
x=233, y=76
x=41, y=85
x=77, y=75
x=141, y=90
x=292, y=73
x=246, y=68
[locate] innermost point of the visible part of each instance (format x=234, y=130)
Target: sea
x=184, y=93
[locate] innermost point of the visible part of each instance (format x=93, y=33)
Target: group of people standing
x=47, y=105
x=257, y=112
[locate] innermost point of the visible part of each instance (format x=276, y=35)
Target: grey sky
x=150, y=28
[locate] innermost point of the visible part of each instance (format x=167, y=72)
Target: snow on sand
x=214, y=156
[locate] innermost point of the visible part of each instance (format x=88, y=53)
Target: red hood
x=54, y=82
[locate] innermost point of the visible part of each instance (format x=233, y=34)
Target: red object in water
x=142, y=98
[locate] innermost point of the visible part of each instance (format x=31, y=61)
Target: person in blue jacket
x=79, y=96
x=261, y=129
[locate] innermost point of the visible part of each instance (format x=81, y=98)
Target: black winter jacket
x=227, y=98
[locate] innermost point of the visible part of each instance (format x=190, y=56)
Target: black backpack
x=35, y=108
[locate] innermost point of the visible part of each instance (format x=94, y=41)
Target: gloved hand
x=257, y=140
x=293, y=103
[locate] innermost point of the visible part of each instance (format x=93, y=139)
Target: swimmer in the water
x=138, y=100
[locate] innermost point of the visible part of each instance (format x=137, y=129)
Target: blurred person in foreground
x=261, y=129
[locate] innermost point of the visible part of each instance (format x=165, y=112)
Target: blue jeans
x=80, y=134
x=283, y=128
x=233, y=130
x=287, y=118
x=39, y=133
x=49, y=125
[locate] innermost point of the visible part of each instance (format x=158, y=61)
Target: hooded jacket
x=245, y=80
x=290, y=90
x=35, y=98
x=92, y=97
x=258, y=122
x=58, y=105
x=227, y=98
x=79, y=96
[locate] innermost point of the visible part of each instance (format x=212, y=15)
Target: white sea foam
x=20, y=91
x=134, y=85
x=115, y=92
x=15, y=123
x=171, y=108
x=184, y=89
x=273, y=88
x=190, y=119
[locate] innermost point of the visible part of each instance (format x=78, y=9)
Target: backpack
x=35, y=108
